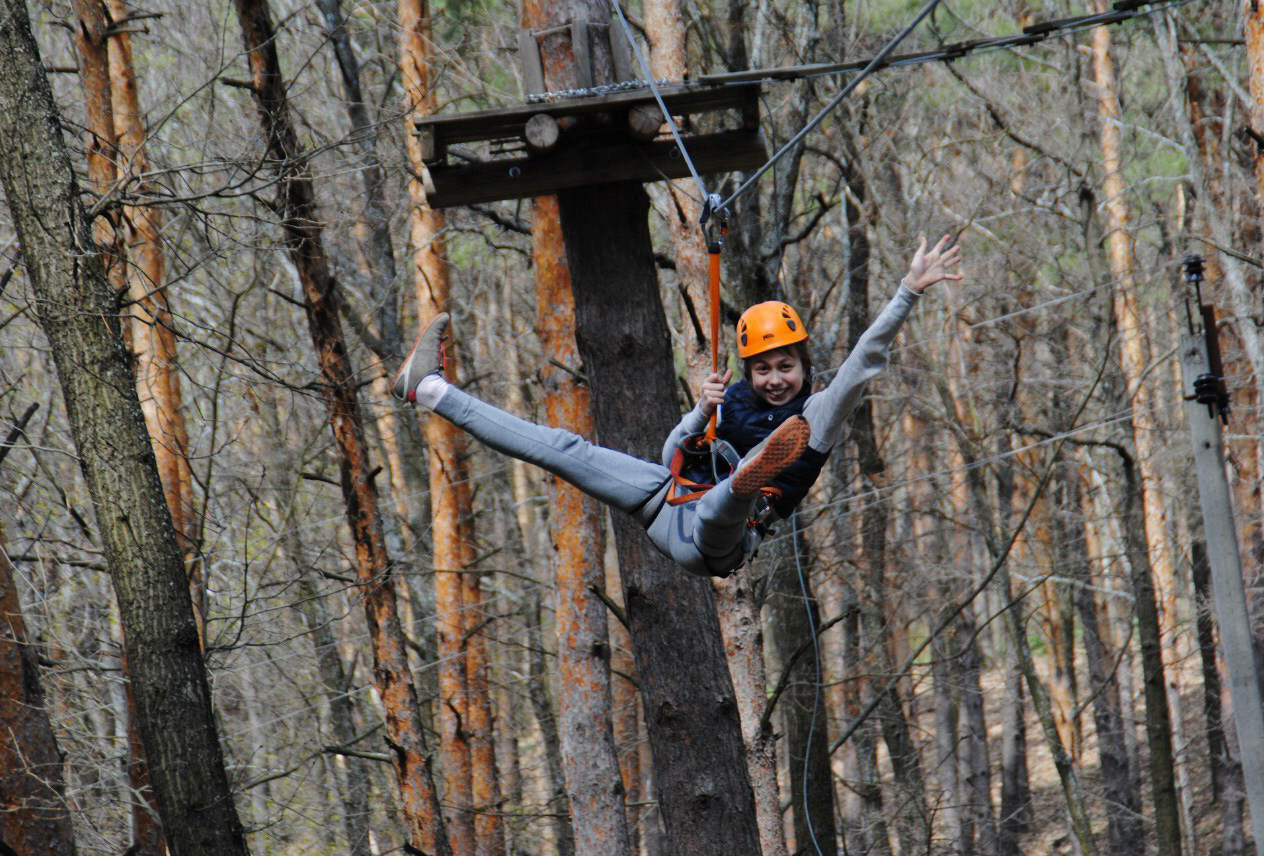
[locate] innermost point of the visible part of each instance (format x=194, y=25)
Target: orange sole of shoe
x=783, y=448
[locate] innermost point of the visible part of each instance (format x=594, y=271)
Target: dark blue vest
x=746, y=419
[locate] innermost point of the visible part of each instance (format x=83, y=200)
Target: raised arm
x=827, y=411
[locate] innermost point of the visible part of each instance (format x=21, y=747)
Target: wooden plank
x=532, y=68
x=582, y=49
x=681, y=98
x=621, y=52
x=579, y=165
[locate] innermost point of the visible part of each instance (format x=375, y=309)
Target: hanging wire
x=834, y=102
x=816, y=685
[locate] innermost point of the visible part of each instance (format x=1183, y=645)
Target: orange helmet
x=766, y=326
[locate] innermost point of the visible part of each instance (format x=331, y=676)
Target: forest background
x=408, y=644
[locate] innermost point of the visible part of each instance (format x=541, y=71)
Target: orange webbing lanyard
x=684, y=490
x=713, y=254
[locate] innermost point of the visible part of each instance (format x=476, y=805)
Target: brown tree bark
x=154, y=338
x=457, y=592
x=77, y=310
x=703, y=788
x=1124, y=832
x=743, y=635
x=303, y=241
x=36, y=819
x=97, y=56
x=1253, y=26
x=1133, y=363
x=576, y=526
x=91, y=44
x=1131, y=511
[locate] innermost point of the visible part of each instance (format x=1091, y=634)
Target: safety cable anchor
x=1209, y=387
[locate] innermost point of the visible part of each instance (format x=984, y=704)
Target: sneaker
x=425, y=358
x=771, y=457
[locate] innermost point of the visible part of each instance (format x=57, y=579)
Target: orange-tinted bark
x=102, y=150
x=35, y=818
x=1253, y=26
x=303, y=240
x=449, y=472
x=153, y=336
x=1133, y=363
x=583, y=695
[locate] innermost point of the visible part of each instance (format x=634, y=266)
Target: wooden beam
x=680, y=98
x=576, y=166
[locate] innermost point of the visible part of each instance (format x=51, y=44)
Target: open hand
x=930, y=266
x=712, y=395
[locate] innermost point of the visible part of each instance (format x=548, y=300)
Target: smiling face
x=776, y=376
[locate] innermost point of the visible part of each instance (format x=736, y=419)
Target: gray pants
x=705, y=537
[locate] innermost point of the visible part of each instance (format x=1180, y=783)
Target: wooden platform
x=590, y=139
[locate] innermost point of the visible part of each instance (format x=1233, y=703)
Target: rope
x=834, y=102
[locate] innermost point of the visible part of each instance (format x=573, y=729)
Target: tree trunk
x=36, y=819
x=743, y=634
x=913, y=824
x=303, y=240
x=457, y=593
x=1253, y=26
x=703, y=789
x=947, y=766
x=870, y=835
x=78, y=313
x=153, y=331
x=1131, y=512
x=576, y=524
x=99, y=54
x=1133, y=363
x=1125, y=834
x=977, y=789
x=801, y=703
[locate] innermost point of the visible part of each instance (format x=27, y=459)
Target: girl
x=782, y=430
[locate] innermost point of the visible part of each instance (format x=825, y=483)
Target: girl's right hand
x=712, y=395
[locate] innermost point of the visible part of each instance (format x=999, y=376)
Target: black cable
x=834, y=102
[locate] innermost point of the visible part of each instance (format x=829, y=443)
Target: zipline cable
x=1032, y=34
x=834, y=102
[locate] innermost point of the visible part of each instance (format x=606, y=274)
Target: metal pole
x=1226, y=580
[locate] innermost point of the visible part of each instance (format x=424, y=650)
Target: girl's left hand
x=931, y=266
